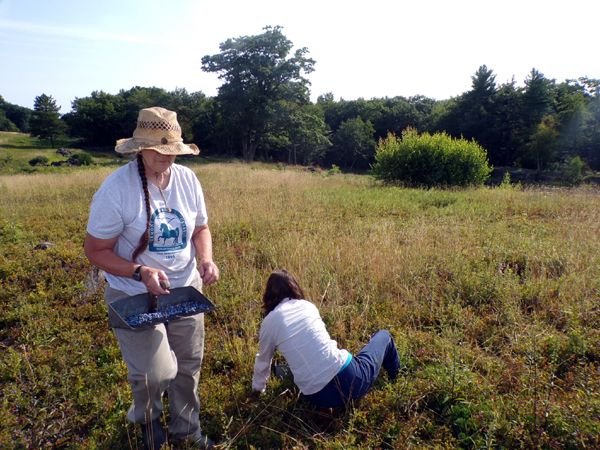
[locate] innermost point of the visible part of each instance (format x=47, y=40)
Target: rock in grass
x=45, y=245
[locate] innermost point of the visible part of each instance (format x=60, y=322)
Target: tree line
x=263, y=111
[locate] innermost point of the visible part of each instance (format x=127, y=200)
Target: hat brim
x=133, y=145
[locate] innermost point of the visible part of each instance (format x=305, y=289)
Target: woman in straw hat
x=148, y=230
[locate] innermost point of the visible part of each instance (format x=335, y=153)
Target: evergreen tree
x=505, y=125
x=477, y=107
x=591, y=151
x=537, y=98
x=537, y=102
x=45, y=120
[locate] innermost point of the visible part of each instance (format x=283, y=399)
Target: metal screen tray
x=134, y=312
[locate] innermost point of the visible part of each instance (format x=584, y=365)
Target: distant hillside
x=21, y=153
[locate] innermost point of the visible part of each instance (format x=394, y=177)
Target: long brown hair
x=144, y=238
x=280, y=285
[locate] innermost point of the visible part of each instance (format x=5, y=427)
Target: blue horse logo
x=168, y=233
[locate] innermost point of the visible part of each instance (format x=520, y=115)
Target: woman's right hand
x=101, y=253
x=154, y=280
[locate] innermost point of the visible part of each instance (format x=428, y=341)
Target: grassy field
x=492, y=296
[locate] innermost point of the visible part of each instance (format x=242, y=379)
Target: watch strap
x=137, y=274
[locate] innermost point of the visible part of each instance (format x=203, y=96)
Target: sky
x=363, y=49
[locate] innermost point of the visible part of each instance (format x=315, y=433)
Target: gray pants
x=164, y=357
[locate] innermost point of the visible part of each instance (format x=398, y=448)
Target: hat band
x=154, y=125
x=162, y=141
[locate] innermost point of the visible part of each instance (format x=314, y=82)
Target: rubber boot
x=153, y=435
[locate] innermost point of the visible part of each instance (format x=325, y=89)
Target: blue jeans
x=353, y=382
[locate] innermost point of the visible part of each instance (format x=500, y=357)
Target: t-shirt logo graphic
x=168, y=232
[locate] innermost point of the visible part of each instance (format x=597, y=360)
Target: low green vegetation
x=491, y=295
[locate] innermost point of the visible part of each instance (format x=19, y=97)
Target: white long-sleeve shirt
x=296, y=329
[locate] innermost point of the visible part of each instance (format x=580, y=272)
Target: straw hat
x=157, y=129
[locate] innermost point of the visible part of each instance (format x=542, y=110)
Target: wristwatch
x=137, y=274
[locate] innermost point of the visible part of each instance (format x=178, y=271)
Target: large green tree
x=571, y=115
x=537, y=98
x=578, y=113
x=592, y=148
x=45, y=120
x=541, y=148
x=258, y=72
x=98, y=119
x=471, y=114
x=505, y=123
x=102, y=118
x=5, y=123
x=14, y=117
x=354, y=144
x=387, y=115
x=303, y=133
x=537, y=103
x=478, y=107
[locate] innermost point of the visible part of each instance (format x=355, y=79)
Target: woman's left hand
x=209, y=272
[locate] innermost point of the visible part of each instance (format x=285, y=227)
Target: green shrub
x=430, y=160
x=6, y=160
x=38, y=161
x=572, y=170
x=80, y=159
x=334, y=170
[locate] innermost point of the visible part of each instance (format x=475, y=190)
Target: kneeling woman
x=326, y=375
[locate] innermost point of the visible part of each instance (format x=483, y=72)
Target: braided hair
x=145, y=237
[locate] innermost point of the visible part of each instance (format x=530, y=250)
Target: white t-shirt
x=118, y=209
x=296, y=329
